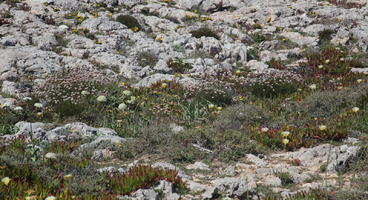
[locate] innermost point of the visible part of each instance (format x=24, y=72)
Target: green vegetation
x=144, y=176
x=129, y=21
x=204, y=32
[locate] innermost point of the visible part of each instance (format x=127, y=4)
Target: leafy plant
x=178, y=66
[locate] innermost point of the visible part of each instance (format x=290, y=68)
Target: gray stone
x=257, y=66
x=234, y=187
x=77, y=131
x=273, y=181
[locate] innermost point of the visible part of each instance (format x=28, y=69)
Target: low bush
x=142, y=176
x=271, y=85
x=204, y=32
x=240, y=116
x=129, y=21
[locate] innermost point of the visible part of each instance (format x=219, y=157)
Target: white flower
x=320, y=66
x=355, y=109
x=219, y=108
x=50, y=155
x=38, y=105
x=50, y=198
x=132, y=100
x=327, y=61
x=322, y=127
x=127, y=93
x=27, y=99
x=84, y=92
x=122, y=106
x=5, y=180
x=264, y=129
x=285, y=133
x=101, y=99
x=360, y=80
x=313, y=86
x=285, y=141
x=18, y=108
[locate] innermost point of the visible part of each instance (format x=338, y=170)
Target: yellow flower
x=135, y=29
x=122, y=83
x=285, y=141
x=285, y=133
x=241, y=98
x=219, y=108
x=360, y=80
x=68, y=176
x=355, y=109
x=163, y=85
x=322, y=127
x=268, y=20
x=5, y=180
x=237, y=72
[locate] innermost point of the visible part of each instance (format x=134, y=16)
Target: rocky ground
x=183, y=99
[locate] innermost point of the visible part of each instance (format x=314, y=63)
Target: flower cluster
x=71, y=85
x=273, y=84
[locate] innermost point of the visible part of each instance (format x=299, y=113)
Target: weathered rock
x=234, y=187
x=77, y=131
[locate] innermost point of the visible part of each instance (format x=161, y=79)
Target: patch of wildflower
x=72, y=86
x=273, y=84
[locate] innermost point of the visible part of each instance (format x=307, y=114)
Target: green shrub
x=129, y=21
x=144, y=176
x=204, y=32
x=238, y=116
x=285, y=178
x=271, y=85
x=178, y=66
x=325, y=36
x=147, y=59
x=326, y=104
